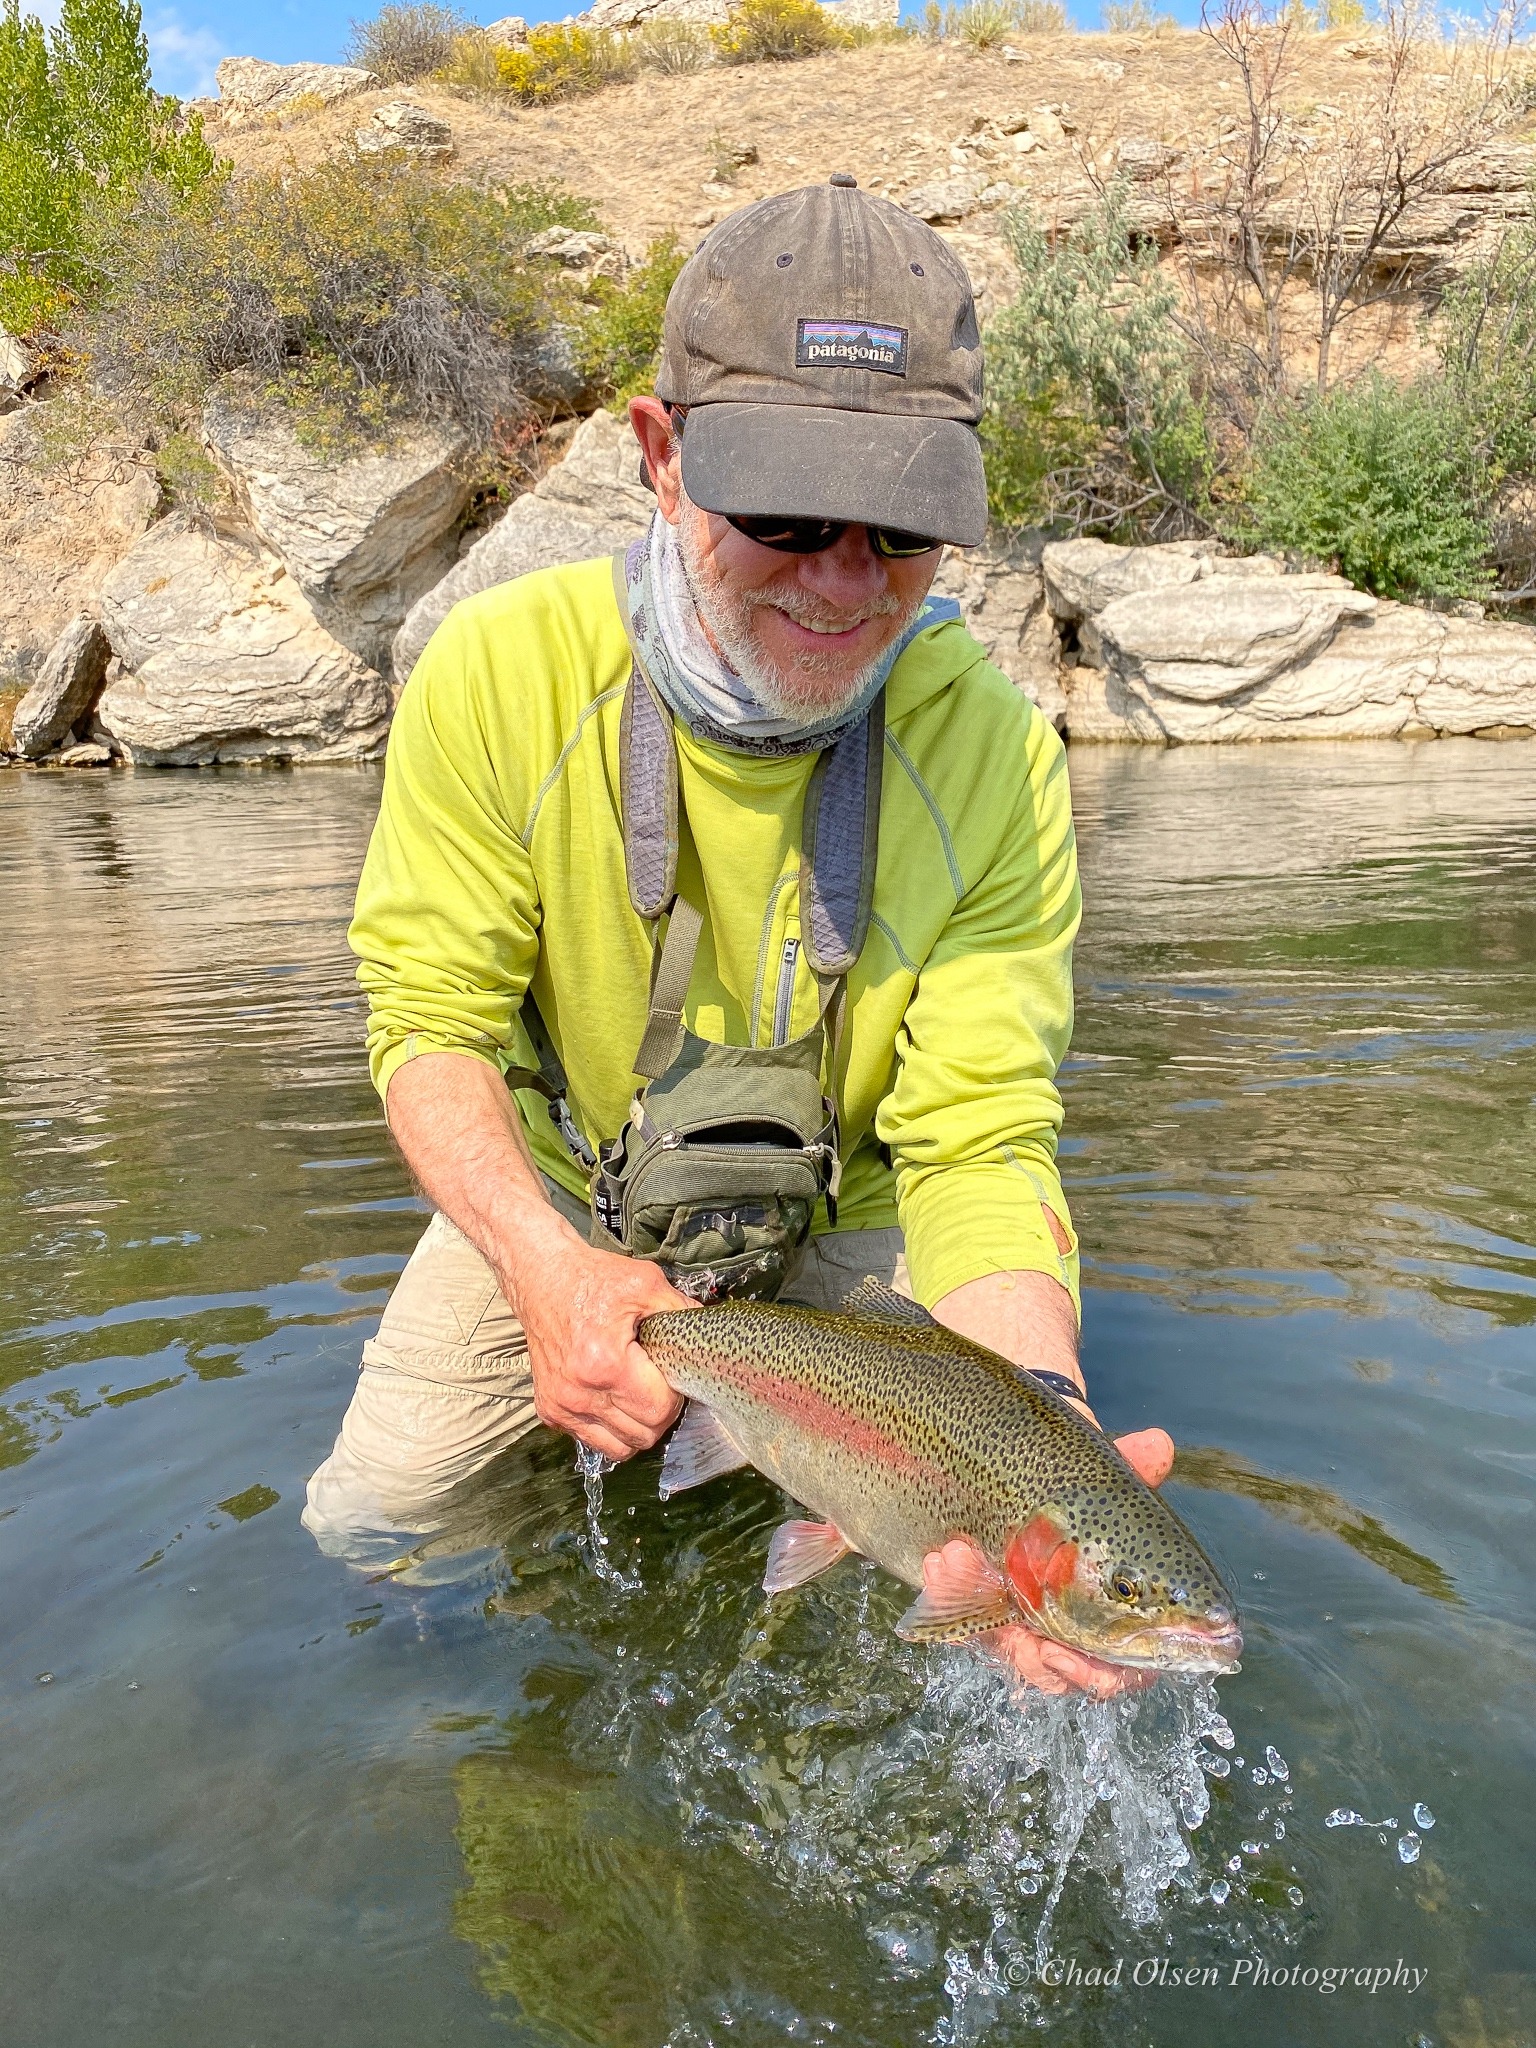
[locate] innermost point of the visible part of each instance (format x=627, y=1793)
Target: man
x=811, y=444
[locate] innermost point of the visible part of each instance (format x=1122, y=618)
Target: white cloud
x=182, y=58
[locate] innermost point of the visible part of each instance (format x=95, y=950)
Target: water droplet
x=1259, y=1775
x=1422, y=1816
x=1216, y=1765
x=1234, y=1864
x=1278, y=1767
x=1408, y=1848
x=1295, y=1894
x=1221, y=1891
x=191, y=1589
x=45, y=1678
x=133, y=1685
x=1279, y=1830
x=1261, y=1577
x=1238, y=1762
x=1343, y=1817
x=1253, y=1848
x=1192, y=1808
x=1105, y=1789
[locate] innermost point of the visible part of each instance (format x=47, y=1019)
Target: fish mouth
x=1202, y=1651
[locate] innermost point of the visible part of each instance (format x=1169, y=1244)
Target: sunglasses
x=813, y=536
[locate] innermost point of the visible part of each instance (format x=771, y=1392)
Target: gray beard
x=806, y=695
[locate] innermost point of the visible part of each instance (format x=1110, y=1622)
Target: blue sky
x=187, y=39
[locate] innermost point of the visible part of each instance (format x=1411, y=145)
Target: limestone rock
x=88, y=754
x=1001, y=591
x=947, y=198
x=363, y=538
x=227, y=662
x=1223, y=636
x=589, y=504
x=400, y=124
x=1142, y=159
x=60, y=532
x=1083, y=576
x=511, y=32
x=18, y=370
x=249, y=87
x=577, y=248
x=865, y=13
x=66, y=689
x=625, y=14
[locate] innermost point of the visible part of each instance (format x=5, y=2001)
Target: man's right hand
x=591, y=1376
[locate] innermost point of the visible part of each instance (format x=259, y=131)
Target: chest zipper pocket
x=784, y=994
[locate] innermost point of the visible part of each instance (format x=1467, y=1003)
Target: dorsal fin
x=871, y=1297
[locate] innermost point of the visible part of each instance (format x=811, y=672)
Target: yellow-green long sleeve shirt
x=497, y=864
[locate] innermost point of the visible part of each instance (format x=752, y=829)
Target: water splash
x=978, y=1795
x=595, y=1546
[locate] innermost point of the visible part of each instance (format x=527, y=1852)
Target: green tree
x=81, y=129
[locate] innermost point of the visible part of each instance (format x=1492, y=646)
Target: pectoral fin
x=953, y=1617
x=799, y=1551
x=698, y=1449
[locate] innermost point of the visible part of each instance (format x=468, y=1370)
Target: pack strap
x=548, y=1079
x=669, y=990
x=648, y=784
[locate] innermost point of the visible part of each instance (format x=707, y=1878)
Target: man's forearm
x=1026, y=1317
x=457, y=1125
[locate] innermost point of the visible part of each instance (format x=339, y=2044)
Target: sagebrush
x=403, y=44
x=361, y=292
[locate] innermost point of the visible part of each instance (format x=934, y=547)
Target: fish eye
x=1124, y=1585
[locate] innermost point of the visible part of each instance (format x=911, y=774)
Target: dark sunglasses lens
x=897, y=546
x=789, y=536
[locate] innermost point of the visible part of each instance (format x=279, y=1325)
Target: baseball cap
x=826, y=346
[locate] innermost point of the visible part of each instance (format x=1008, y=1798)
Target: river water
x=485, y=1793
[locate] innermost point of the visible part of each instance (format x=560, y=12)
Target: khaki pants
x=445, y=1385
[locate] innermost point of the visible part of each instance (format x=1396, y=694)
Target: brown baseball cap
x=826, y=345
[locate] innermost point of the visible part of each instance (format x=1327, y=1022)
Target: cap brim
x=922, y=476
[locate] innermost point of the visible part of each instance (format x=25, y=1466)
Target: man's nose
x=849, y=573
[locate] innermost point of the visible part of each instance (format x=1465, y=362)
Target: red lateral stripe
x=819, y=1416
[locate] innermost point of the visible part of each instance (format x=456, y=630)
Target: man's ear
x=661, y=453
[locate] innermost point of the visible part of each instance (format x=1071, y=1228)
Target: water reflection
x=473, y=1792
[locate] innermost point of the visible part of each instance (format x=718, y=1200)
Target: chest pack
x=727, y=1149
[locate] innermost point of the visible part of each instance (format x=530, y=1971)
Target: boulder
x=1001, y=591
x=1221, y=637
x=1299, y=657
x=577, y=248
x=60, y=532
x=363, y=537
x=401, y=125
x=1083, y=576
x=227, y=662
x=626, y=14
x=19, y=370
x=587, y=505
x=947, y=198
x=249, y=87
x=510, y=33
x=865, y=13
x=67, y=686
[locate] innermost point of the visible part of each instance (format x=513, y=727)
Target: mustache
x=807, y=610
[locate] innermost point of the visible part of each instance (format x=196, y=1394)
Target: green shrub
x=1377, y=478
x=361, y=292
x=671, y=46
x=561, y=61
x=776, y=31
x=1135, y=18
x=80, y=127
x=619, y=339
x=403, y=44
x=985, y=24
x=1093, y=421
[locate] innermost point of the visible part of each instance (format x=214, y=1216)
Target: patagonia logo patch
x=850, y=345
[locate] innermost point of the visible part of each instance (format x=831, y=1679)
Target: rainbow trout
x=902, y=1434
